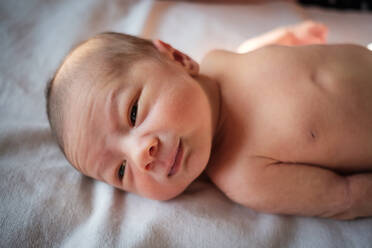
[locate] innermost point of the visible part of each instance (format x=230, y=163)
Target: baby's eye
x=122, y=170
x=133, y=113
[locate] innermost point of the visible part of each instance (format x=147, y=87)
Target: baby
x=278, y=129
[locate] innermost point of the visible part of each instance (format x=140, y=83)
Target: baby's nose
x=146, y=153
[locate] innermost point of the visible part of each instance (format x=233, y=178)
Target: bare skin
x=278, y=129
x=296, y=129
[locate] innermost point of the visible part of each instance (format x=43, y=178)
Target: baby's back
x=306, y=105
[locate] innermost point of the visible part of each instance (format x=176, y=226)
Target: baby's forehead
x=89, y=65
x=94, y=57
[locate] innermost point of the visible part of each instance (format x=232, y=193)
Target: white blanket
x=45, y=203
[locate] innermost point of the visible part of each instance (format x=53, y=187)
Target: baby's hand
x=305, y=33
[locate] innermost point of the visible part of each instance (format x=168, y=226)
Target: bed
x=46, y=203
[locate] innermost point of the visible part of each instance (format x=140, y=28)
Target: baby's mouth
x=177, y=160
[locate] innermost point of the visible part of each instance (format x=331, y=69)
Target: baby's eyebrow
x=112, y=107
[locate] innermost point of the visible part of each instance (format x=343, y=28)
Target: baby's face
x=149, y=133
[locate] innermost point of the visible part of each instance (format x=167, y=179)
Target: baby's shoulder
x=222, y=63
x=215, y=62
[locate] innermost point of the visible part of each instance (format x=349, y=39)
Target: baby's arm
x=305, y=33
x=360, y=186
x=299, y=189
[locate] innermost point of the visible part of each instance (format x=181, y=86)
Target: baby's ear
x=185, y=61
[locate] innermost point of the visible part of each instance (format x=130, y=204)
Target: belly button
x=312, y=135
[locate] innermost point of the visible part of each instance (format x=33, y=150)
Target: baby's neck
x=212, y=89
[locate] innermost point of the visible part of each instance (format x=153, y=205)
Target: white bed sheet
x=46, y=203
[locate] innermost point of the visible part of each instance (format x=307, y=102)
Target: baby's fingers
x=310, y=32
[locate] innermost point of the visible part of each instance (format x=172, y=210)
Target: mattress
x=46, y=203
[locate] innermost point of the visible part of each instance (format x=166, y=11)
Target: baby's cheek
x=192, y=104
x=176, y=108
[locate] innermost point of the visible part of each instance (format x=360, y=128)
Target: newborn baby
x=278, y=129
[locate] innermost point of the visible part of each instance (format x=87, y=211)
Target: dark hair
x=118, y=51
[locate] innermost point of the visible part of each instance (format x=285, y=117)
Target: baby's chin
x=165, y=194
x=164, y=197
